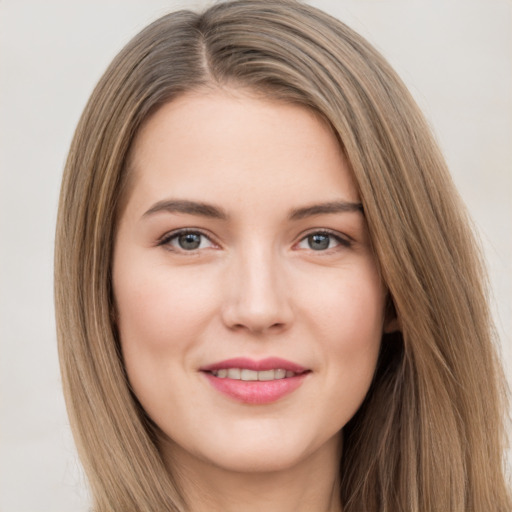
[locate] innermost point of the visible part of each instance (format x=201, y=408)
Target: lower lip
x=254, y=391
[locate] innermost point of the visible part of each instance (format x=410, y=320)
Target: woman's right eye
x=186, y=241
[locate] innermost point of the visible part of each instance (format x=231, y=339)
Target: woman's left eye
x=187, y=241
x=322, y=241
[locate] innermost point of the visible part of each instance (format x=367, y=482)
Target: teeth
x=279, y=374
x=252, y=375
x=234, y=373
x=248, y=375
x=266, y=375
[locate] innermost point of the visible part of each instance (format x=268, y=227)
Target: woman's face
x=250, y=308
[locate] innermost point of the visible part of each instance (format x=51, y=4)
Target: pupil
x=318, y=242
x=190, y=241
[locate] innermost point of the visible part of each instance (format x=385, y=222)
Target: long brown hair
x=430, y=434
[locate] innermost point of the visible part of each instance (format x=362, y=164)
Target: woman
x=268, y=296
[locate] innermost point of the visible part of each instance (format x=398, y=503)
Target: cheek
x=349, y=324
x=162, y=318
x=359, y=323
x=156, y=306
x=349, y=308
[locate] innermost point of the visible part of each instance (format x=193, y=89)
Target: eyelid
x=164, y=240
x=343, y=239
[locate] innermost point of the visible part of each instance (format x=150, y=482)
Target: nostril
x=258, y=327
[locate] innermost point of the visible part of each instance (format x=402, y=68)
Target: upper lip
x=269, y=363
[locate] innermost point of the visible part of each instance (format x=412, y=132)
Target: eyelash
x=341, y=240
x=165, y=241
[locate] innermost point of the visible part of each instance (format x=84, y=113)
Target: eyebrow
x=325, y=208
x=214, y=212
x=188, y=207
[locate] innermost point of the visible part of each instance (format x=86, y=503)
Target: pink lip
x=256, y=392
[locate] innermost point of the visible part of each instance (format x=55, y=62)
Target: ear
x=391, y=320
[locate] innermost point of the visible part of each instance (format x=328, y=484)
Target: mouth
x=255, y=382
x=252, y=375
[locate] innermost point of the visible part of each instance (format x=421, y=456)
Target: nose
x=257, y=297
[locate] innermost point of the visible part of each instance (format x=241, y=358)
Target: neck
x=311, y=484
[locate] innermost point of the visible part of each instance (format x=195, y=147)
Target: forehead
x=230, y=144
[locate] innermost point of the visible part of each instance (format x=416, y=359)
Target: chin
x=258, y=460
x=254, y=450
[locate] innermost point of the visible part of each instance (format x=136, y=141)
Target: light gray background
x=455, y=55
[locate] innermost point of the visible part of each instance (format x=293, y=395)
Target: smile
x=252, y=375
x=255, y=382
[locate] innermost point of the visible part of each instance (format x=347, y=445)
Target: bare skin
x=279, y=491
x=243, y=239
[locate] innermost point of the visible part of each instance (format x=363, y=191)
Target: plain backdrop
x=455, y=56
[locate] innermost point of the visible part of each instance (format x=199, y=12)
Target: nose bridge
x=257, y=298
